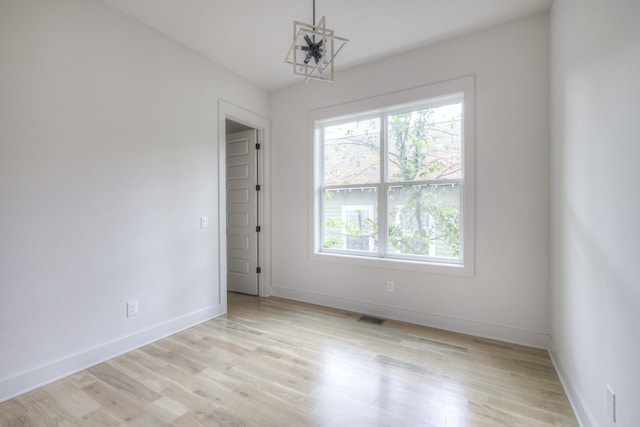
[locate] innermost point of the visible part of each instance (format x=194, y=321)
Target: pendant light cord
x=314, y=19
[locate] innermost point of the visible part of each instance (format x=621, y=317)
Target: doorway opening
x=244, y=237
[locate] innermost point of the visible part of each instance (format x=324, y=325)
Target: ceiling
x=252, y=37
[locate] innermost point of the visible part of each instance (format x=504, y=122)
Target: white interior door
x=242, y=212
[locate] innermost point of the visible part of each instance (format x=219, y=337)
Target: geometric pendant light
x=314, y=49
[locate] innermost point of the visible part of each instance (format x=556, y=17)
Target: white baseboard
x=581, y=410
x=26, y=381
x=465, y=326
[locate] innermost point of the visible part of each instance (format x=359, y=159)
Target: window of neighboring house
x=356, y=227
x=396, y=182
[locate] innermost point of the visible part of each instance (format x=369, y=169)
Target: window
x=395, y=182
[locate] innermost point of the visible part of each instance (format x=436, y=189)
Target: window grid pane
x=424, y=220
x=425, y=144
x=350, y=219
x=352, y=152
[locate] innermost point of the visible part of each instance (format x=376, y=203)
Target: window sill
x=395, y=264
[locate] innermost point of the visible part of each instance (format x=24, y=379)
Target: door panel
x=242, y=213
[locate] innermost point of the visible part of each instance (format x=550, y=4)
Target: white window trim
x=466, y=85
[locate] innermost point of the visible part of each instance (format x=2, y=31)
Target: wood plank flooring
x=274, y=362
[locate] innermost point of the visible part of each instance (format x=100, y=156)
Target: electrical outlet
x=390, y=286
x=204, y=222
x=611, y=404
x=132, y=308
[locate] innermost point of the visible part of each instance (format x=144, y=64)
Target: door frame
x=227, y=110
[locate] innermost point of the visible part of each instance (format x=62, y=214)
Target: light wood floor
x=274, y=362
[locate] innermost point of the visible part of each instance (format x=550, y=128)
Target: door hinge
x=258, y=270
x=257, y=146
x=257, y=228
x=257, y=187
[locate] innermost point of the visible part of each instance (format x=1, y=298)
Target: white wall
x=595, y=205
x=108, y=158
x=508, y=298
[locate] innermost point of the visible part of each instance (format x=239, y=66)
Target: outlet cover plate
x=132, y=308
